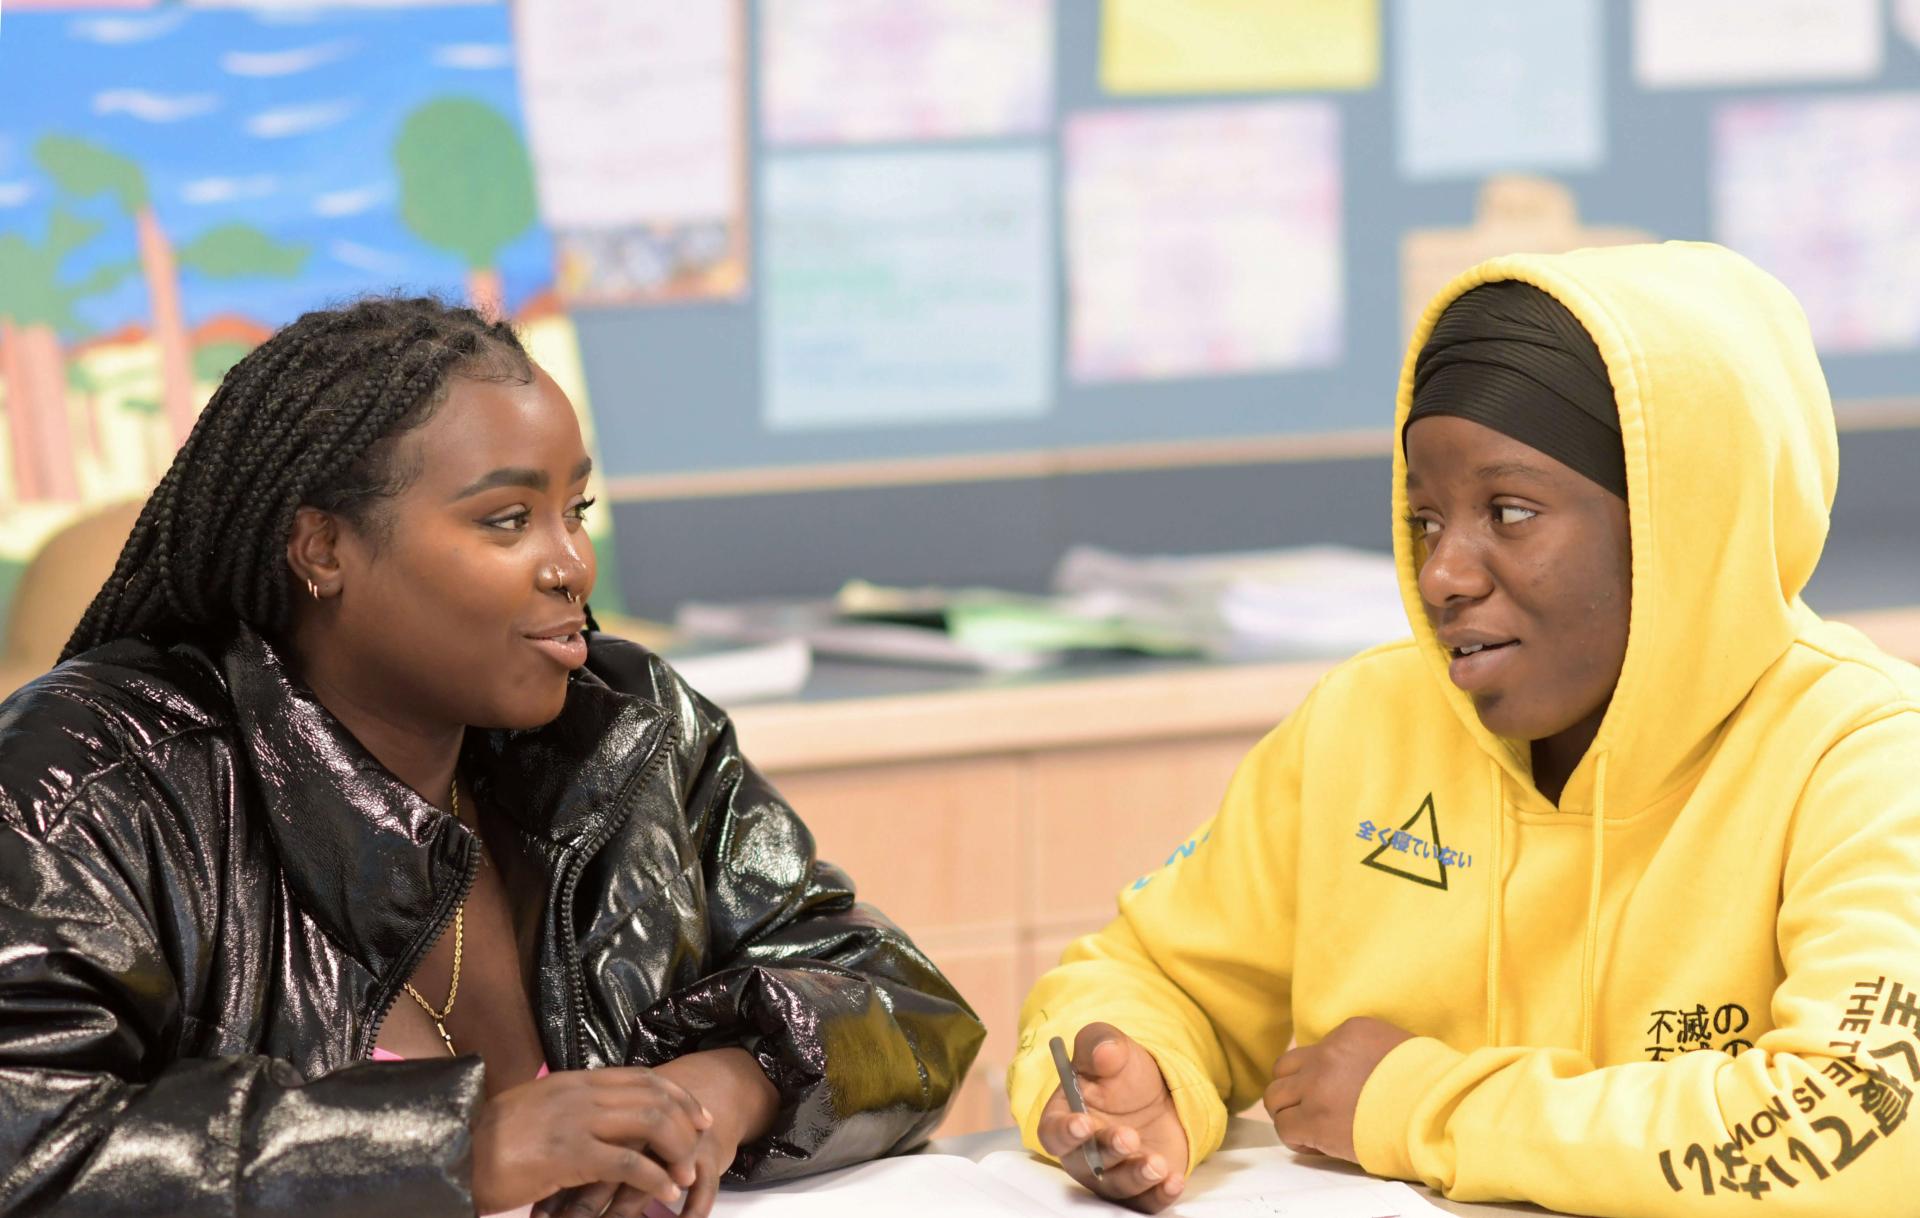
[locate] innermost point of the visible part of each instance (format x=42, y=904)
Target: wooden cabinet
x=934, y=845
x=996, y=825
x=1100, y=818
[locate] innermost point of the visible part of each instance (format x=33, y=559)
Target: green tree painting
x=83, y=169
x=36, y=308
x=466, y=186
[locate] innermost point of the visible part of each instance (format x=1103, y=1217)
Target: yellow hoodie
x=1693, y=983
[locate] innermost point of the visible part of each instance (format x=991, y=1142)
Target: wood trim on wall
x=1861, y=414
x=997, y=467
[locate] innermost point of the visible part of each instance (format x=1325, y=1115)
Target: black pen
x=1071, y=1085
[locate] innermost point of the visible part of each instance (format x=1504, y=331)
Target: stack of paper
x=1313, y=601
x=1309, y=601
x=1003, y=623
x=828, y=632
x=732, y=674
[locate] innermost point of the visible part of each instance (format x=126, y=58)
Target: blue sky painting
x=283, y=119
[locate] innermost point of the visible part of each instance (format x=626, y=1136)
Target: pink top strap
x=381, y=1055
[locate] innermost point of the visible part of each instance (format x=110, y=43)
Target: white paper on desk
x=827, y=634
x=926, y=1186
x=1301, y=601
x=731, y=674
x=1263, y=1183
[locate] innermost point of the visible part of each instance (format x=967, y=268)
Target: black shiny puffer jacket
x=210, y=894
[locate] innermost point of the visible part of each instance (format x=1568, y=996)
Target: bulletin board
x=1207, y=225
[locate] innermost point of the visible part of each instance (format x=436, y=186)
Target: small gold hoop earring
x=313, y=590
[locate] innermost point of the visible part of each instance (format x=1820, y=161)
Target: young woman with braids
x=336, y=767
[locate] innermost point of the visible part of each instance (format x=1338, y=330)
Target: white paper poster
x=1203, y=240
x=1825, y=194
x=1906, y=18
x=907, y=288
x=863, y=71
x=1488, y=86
x=634, y=109
x=1681, y=44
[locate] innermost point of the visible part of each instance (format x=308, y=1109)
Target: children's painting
x=178, y=181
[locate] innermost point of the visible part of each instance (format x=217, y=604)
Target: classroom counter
x=1036, y=799
x=864, y=713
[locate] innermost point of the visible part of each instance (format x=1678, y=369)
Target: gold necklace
x=459, y=941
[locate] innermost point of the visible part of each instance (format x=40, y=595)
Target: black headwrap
x=1508, y=356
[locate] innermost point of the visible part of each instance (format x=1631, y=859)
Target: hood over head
x=1731, y=464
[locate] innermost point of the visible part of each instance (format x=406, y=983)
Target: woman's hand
x=729, y=1085
x=628, y=1127
x=1316, y=1088
x=1129, y=1117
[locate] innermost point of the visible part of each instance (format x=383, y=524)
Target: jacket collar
x=561, y=783
x=366, y=856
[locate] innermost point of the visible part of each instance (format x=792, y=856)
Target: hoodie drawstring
x=1595, y=873
x=1496, y=903
x=1496, y=908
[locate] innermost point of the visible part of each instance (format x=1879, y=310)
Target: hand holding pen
x=1121, y=1139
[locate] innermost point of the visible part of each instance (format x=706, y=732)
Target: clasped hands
x=612, y=1141
x=1130, y=1115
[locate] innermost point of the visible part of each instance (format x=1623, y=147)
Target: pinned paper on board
x=1825, y=194
x=1204, y=241
x=1906, y=19
x=1490, y=85
x=1238, y=46
x=1679, y=44
x=867, y=71
x=907, y=288
x=1515, y=215
x=635, y=110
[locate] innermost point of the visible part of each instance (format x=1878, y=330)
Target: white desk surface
x=1243, y=1133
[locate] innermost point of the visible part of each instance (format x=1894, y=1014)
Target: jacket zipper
x=387, y=995
x=576, y=973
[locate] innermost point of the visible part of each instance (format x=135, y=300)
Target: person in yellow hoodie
x=1602, y=891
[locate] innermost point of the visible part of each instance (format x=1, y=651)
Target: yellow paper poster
x=1235, y=46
